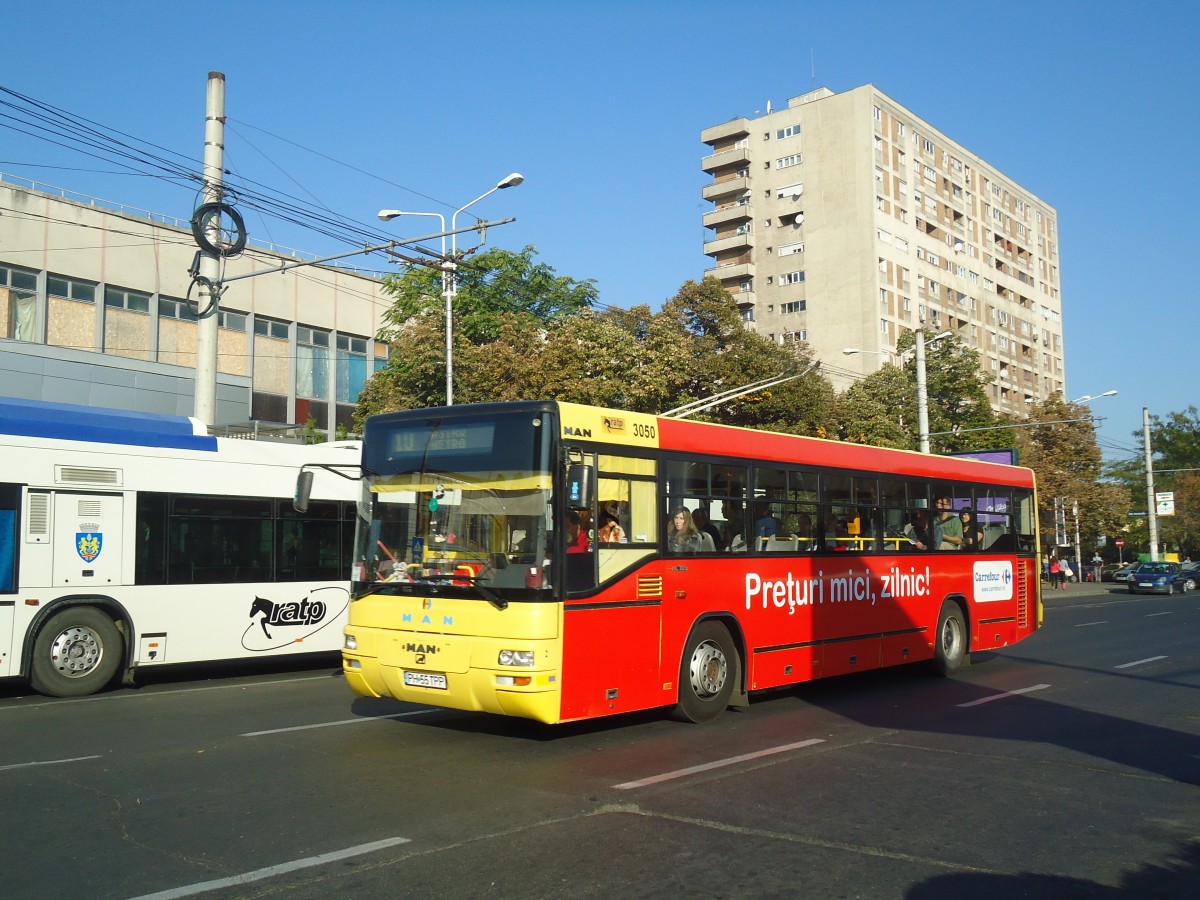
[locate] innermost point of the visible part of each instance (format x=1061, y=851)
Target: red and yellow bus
x=473, y=589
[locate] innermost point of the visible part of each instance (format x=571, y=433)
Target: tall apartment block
x=844, y=219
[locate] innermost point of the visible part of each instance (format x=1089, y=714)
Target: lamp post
x=450, y=267
x=922, y=392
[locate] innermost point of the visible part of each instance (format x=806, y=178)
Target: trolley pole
x=209, y=293
x=1151, y=507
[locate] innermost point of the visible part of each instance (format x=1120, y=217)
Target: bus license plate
x=425, y=679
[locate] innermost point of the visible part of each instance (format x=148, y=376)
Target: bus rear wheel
x=950, y=649
x=77, y=652
x=706, y=674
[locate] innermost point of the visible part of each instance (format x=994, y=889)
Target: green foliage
x=1066, y=459
x=694, y=348
x=489, y=285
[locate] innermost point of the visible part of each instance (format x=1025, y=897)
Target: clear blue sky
x=1092, y=107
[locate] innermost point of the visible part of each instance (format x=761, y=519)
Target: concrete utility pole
x=209, y=297
x=1151, y=508
x=922, y=393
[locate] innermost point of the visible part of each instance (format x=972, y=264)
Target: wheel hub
x=76, y=651
x=708, y=670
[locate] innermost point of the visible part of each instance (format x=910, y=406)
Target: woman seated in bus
x=972, y=534
x=683, y=536
x=917, y=531
x=610, y=531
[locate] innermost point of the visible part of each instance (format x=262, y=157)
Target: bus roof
x=70, y=422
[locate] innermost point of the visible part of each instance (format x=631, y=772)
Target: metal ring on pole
x=214, y=297
x=201, y=222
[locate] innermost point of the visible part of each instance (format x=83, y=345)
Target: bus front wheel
x=76, y=652
x=706, y=674
x=950, y=651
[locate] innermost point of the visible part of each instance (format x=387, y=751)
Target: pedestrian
x=1055, y=574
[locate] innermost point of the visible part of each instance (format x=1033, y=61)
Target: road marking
x=1152, y=615
x=1087, y=624
x=1006, y=694
x=47, y=762
x=1140, y=662
x=692, y=770
x=419, y=712
x=281, y=869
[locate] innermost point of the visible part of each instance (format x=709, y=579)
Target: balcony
x=733, y=128
x=732, y=275
x=734, y=213
x=725, y=159
x=727, y=243
x=720, y=189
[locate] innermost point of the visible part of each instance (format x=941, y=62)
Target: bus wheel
x=951, y=648
x=77, y=652
x=706, y=674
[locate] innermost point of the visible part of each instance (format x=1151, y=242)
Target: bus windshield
x=457, y=502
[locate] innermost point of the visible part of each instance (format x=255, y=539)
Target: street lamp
x=922, y=392
x=450, y=267
x=1087, y=398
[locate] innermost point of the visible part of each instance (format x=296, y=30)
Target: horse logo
x=287, y=623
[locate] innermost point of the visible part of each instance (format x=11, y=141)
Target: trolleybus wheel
x=950, y=649
x=706, y=674
x=77, y=652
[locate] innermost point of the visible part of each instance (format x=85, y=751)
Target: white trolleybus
x=130, y=540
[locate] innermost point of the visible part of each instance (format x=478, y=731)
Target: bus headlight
x=350, y=643
x=516, y=657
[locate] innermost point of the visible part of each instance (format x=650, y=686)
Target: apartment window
x=352, y=367
x=312, y=362
x=788, y=161
x=883, y=326
x=788, y=132
x=791, y=190
x=176, y=309
x=119, y=298
x=748, y=315
x=271, y=328
x=878, y=114
x=230, y=320
x=80, y=291
x=794, y=337
x=934, y=259
x=927, y=145
x=899, y=129
x=792, y=277
x=18, y=287
x=789, y=249
x=793, y=306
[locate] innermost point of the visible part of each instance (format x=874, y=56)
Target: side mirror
x=303, y=489
x=580, y=479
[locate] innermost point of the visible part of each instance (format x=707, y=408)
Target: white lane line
x=1139, y=662
x=692, y=770
x=1152, y=615
x=1087, y=624
x=419, y=712
x=1005, y=695
x=269, y=872
x=144, y=693
x=47, y=762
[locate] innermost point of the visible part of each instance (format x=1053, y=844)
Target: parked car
x=1160, y=578
x=1122, y=574
x=1108, y=570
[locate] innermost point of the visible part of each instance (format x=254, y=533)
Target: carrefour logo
x=992, y=580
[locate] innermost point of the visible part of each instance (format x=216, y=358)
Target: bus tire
x=706, y=674
x=77, y=652
x=950, y=641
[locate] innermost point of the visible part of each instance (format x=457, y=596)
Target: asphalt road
x=1066, y=766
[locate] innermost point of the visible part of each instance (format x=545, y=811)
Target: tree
x=488, y=286
x=882, y=408
x=1066, y=460
x=694, y=348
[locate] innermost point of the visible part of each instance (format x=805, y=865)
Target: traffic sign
x=1120, y=542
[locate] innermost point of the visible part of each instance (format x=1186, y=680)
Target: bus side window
x=10, y=496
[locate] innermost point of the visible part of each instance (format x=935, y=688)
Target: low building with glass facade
x=95, y=309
